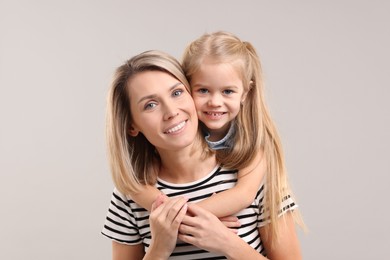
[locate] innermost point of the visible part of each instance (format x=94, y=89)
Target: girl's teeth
x=176, y=128
x=214, y=114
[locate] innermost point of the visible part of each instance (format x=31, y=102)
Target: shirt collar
x=224, y=143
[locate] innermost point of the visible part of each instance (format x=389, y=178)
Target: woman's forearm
x=238, y=249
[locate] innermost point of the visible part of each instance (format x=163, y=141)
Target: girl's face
x=162, y=110
x=218, y=91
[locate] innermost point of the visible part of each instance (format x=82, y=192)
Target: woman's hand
x=204, y=230
x=165, y=219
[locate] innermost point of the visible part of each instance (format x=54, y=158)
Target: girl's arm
x=239, y=197
x=146, y=196
x=242, y=194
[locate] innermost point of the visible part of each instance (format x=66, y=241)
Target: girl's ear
x=133, y=131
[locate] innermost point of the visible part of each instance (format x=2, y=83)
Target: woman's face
x=162, y=110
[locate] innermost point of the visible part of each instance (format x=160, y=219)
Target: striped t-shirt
x=128, y=223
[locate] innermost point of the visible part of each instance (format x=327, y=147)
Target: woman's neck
x=185, y=165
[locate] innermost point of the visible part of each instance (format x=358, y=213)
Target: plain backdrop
x=326, y=66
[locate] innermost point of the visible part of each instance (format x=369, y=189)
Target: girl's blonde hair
x=134, y=160
x=255, y=130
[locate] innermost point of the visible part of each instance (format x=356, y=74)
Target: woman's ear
x=133, y=131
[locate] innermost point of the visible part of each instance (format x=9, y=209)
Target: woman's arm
x=127, y=252
x=287, y=247
x=136, y=252
x=242, y=194
x=164, y=219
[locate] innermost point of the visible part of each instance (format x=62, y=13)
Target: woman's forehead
x=151, y=83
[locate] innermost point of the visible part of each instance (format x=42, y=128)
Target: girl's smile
x=214, y=115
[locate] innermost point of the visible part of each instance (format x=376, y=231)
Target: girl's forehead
x=214, y=64
x=219, y=69
x=232, y=63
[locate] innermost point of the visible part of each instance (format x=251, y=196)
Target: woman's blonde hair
x=134, y=160
x=255, y=130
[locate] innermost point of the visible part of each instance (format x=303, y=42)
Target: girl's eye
x=203, y=91
x=150, y=105
x=228, y=91
x=177, y=92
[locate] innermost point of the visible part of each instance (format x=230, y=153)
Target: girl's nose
x=215, y=101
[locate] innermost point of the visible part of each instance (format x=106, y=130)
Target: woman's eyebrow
x=147, y=97
x=175, y=85
x=154, y=95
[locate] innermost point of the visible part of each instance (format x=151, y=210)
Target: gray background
x=326, y=69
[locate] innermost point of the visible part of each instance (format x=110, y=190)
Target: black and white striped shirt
x=128, y=223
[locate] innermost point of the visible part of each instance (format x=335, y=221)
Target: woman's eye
x=150, y=106
x=177, y=92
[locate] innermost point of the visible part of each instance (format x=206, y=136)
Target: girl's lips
x=214, y=113
x=175, y=128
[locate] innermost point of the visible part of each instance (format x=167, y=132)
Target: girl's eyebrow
x=154, y=95
x=231, y=86
x=200, y=85
x=205, y=86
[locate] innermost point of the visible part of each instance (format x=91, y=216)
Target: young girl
x=153, y=139
x=227, y=87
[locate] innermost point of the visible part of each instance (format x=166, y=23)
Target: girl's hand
x=204, y=230
x=165, y=219
x=159, y=200
x=231, y=222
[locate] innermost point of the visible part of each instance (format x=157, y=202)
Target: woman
x=153, y=139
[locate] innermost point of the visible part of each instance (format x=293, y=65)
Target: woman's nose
x=171, y=111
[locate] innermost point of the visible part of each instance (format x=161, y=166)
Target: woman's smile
x=176, y=128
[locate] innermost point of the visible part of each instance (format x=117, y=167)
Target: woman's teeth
x=176, y=128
